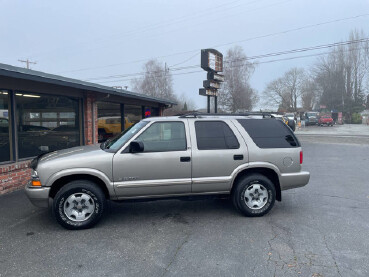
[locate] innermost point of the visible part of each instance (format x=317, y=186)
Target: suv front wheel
x=79, y=205
x=254, y=195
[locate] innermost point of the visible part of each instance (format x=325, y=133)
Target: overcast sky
x=88, y=38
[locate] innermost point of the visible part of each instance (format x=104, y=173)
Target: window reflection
x=4, y=127
x=133, y=113
x=46, y=123
x=108, y=120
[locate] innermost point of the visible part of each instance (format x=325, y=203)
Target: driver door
x=164, y=166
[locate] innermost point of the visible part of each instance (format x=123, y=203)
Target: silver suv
x=249, y=158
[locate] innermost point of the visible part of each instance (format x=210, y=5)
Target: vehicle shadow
x=179, y=211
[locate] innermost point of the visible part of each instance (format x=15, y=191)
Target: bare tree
x=156, y=81
x=308, y=93
x=286, y=91
x=236, y=92
x=343, y=76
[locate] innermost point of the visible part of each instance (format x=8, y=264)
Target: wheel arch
x=62, y=181
x=267, y=172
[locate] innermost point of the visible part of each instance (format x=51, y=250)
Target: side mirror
x=136, y=146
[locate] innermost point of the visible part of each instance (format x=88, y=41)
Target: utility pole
x=28, y=62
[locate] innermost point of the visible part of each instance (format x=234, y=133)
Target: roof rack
x=198, y=114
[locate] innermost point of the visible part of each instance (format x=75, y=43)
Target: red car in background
x=325, y=120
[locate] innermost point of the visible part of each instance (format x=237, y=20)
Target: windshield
x=311, y=114
x=118, y=141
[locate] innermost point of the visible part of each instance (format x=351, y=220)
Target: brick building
x=41, y=112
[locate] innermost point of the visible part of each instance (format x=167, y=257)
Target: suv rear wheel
x=254, y=195
x=79, y=205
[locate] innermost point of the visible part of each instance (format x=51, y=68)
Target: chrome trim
x=173, y=195
x=211, y=180
x=153, y=183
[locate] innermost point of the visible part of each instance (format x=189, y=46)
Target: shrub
x=356, y=118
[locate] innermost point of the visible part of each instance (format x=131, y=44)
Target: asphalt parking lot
x=319, y=230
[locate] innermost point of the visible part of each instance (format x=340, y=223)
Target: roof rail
x=198, y=114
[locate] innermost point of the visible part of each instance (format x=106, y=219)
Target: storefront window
x=4, y=127
x=46, y=123
x=132, y=113
x=150, y=111
x=154, y=111
x=108, y=120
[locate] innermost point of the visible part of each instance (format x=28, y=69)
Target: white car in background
x=290, y=116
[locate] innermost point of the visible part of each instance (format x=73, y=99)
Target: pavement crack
x=330, y=251
x=175, y=254
x=340, y=197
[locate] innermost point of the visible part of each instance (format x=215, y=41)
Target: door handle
x=185, y=159
x=238, y=157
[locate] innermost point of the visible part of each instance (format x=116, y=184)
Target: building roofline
x=39, y=76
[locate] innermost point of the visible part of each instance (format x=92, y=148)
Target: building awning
x=38, y=76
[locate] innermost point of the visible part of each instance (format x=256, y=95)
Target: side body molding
x=83, y=171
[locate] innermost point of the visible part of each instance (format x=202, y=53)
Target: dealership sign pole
x=212, y=62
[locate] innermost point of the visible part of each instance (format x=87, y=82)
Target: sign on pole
x=212, y=62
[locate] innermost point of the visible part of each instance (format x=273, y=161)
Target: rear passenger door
x=217, y=149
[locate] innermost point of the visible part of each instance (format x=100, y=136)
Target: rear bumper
x=38, y=196
x=294, y=180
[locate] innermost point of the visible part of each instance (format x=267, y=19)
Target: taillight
x=301, y=157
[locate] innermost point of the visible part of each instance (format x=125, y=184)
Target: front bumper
x=294, y=180
x=38, y=196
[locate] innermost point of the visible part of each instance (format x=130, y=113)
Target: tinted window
x=164, y=136
x=269, y=133
x=215, y=135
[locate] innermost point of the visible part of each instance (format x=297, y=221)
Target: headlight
x=34, y=174
x=35, y=180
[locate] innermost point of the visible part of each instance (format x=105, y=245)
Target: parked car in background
x=325, y=120
x=311, y=118
x=290, y=116
x=111, y=126
x=289, y=122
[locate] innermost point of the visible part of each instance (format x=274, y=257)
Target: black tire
x=249, y=182
x=79, y=188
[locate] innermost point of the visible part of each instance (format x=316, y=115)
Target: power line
x=222, y=45
x=238, y=65
x=292, y=51
x=186, y=60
